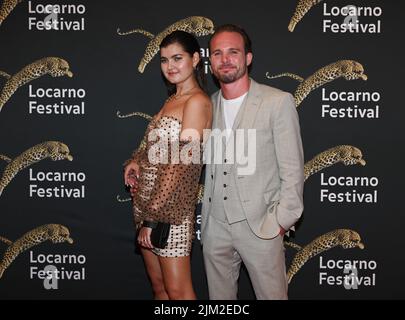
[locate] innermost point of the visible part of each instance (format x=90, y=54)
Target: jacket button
x=225, y=198
x=212, y=176
x=209, y=199
x=224, y=185
x=225, y=173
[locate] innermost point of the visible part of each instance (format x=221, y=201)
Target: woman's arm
x=196, y=115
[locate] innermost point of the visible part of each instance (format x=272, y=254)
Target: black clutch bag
x=160, y=233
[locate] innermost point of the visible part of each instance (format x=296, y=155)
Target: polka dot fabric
x=180, y=241
x=167, y=190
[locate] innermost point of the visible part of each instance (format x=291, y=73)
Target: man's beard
x=231, y=76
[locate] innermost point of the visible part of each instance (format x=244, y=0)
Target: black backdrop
x=105, y=64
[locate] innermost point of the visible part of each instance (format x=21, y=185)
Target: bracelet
x=149, y=224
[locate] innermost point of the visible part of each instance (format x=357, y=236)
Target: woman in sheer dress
x=164, y=171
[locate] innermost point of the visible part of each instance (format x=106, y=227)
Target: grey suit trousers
x=227, y=245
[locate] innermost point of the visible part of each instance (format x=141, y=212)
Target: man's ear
x=249, y=58
x=196, y=59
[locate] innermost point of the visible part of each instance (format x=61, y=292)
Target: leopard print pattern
x=5, y=158
x=345, y=238
x=56, y=67
x=54, y=150
x=55, y=233
x=347, y=69
x=302, y=8
x=5, y=74
x=199, y=26
x=200, y=193
x=141, y=146
x=6, y=241
x=346, y=154
x=6, y=7
x=132, y=114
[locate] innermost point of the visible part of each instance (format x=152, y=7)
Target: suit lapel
x=240, y=114
x=218, y=123
x=221, y=117
x=248, y=112
x=245, y=117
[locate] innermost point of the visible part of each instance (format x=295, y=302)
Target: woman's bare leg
x=154, y=272
x=177, y=278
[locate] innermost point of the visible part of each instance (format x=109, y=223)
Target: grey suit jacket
x=272, y=195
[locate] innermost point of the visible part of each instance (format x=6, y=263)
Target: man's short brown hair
x=234, y=28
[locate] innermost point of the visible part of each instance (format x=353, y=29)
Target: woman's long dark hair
x=190, y=45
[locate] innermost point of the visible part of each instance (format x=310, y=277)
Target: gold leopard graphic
x=347, y=69
x=302, y=8
x=56, y=67
x=133, y=114
x=346, y=154
x=6, y=7
x=345, y=238
x=199, y=26
x=56, y=233
x=141, y=146
x=54, y=150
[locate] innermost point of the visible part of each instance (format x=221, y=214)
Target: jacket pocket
x=271, y=196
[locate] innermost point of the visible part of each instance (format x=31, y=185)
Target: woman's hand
x=144, y=237
x=131, y=175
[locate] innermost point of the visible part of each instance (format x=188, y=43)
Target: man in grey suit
x=249, y=202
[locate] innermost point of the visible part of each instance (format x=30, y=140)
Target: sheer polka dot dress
x=168, y=184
